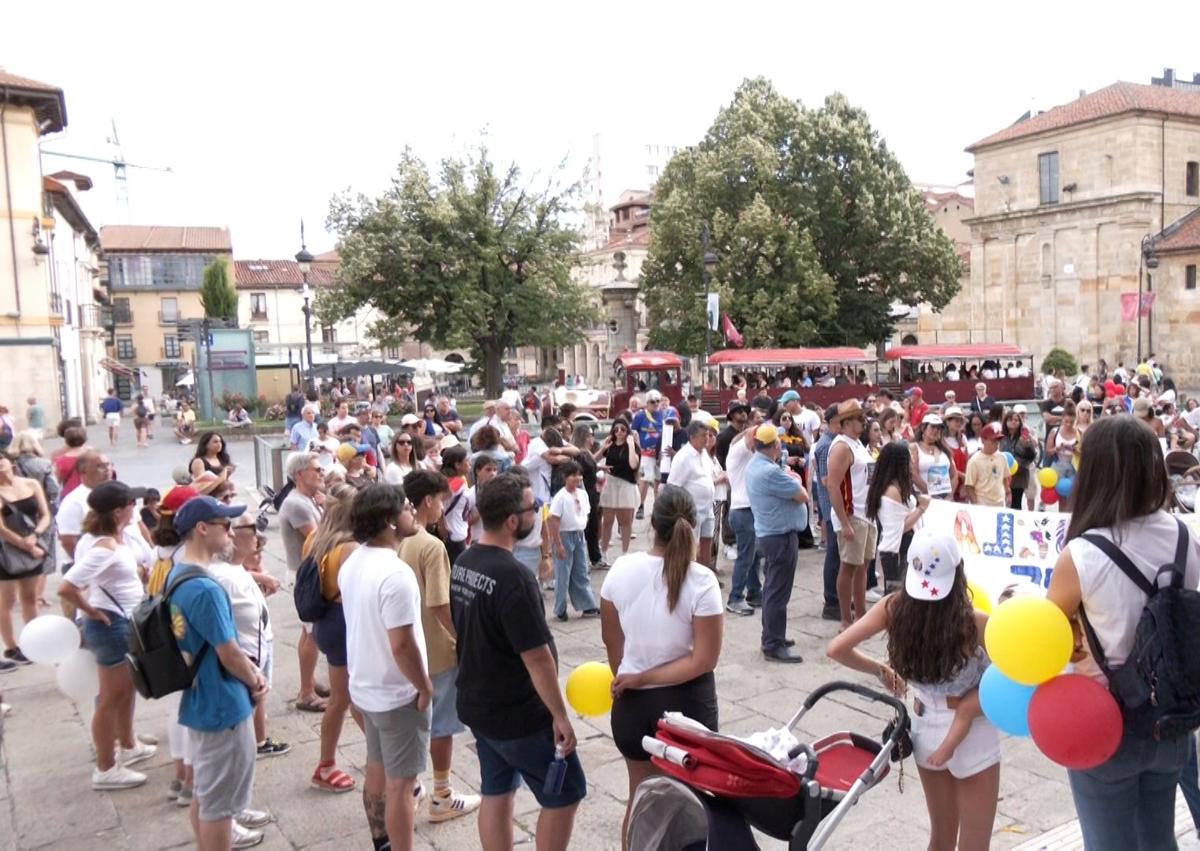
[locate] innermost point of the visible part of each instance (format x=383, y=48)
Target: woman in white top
x=933, y=470
x=403, y=458
x=107, y=566
x=894, y=504
x=662, y=621
x=1060, y=446
x=1121, y=494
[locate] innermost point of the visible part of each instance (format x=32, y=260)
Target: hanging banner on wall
x=1001, y=547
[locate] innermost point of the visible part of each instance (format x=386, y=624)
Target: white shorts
x=113, y=419
x=980, y=750
x=648, y=469
x=706, y=524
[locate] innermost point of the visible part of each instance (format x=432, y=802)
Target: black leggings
x=1018, y=494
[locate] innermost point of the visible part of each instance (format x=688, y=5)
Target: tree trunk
x=493, y=369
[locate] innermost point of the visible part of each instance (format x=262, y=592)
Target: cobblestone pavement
x=46, y=800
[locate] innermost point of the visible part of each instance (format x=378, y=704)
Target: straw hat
x=849, y=408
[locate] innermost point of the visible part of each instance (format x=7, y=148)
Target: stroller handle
x=862, y=691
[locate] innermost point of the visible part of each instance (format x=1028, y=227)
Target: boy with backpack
x=218, y=708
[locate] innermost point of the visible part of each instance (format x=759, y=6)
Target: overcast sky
x=264, y=110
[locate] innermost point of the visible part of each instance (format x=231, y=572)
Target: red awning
x=790, y=357
x=650, y=360
x=966, y=351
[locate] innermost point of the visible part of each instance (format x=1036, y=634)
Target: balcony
x=94, y=316
x=258, y=315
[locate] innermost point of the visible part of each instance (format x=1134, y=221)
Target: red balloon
x=1075, y=721
x=1049, y=496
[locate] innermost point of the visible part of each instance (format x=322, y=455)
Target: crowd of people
x=429, y=553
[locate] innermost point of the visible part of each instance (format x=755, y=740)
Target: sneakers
x=184, y=798
x=16, y=656
x=243, y=838
x=6, y=666
x=831, y=613
x=446, y=807
x=254, y=818
x=641, y=513
x=873, y=595
x=117, y=777
x=270, y=747
x=731, y=553
x=591, y=613
x=418, y=794
x=741, y=607
x=138, y=753
x=174, y=788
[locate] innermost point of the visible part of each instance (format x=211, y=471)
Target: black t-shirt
x=498, y=615
x=617, y=459
x=294, y=403
x=724, y=441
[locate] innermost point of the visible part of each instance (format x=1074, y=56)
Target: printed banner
x=1001, y=547
x=714, y=311
x=1129, y=305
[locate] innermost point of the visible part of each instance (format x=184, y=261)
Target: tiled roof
x=47, y=101
x=1183, y=235
x=65, y=202
x=933, y=200
x=280, y=274
x=330, y=256
x=1117, y=99
x=164, y=238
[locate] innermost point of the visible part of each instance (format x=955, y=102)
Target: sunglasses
x=404, y=442
x=218, y=521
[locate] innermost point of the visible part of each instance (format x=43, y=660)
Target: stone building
x=1063, y=202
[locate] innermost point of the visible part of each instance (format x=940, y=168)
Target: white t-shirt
x=735, y=467
x=693, y=471
x=653, y=635
x=809, y=422
x=114, y=571
x=336, y=424
x=72, y=510
x=857, y=477
x=539, y=468
x=250, y=613
x=458, y=513
x=379, y=592
x=1112, y=602
x=572, y=508
x=143, y=554
x=934, y=468
x=395, y=473
x=891, y=519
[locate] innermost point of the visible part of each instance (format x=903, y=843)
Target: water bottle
x=556, y=774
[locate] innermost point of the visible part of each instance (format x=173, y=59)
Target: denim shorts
x=504, y=763
x=108, y=644
x=445, y=716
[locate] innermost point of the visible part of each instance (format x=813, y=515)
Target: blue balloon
x=1064, y=487
x=1008, y=457
x=1004, y=702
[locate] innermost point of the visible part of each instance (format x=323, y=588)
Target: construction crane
x=119, y=164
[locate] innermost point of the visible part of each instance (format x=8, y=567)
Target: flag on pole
x=731, y=332
x=1130, y=309
x=713, y=311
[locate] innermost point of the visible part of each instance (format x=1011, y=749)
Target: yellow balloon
x=1029, y=639
x=589, y=688
x=1048, y=477
x=979, y=599
x=1012, y=471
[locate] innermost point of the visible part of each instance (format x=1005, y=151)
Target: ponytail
x=674, y=522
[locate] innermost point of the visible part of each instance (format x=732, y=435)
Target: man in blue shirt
x=648, y=424
x=218, y=709
x=111, y=407
x=830, y=612
x=779, y=503
x=304, y=433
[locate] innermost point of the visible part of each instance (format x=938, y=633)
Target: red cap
x=991, y=431
x=176, y=497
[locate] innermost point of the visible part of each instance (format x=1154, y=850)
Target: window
x=392, y=353
x=70, y=313
x=125, y=348
x=1193, y=178
x=1189, y=277
x=168, y=311
x=171, y=346
x=124, y=387
x=122, y=315
x=258, y=305
x=328, y=334
x=1048, y=177
x=166, y=271
x=262, y=338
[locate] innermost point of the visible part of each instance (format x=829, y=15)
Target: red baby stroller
x=718, y=787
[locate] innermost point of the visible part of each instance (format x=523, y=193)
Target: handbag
x=14, y=560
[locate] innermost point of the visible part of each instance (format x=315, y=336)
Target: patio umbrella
x=433, y=365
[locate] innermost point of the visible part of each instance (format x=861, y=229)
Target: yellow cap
x=766, y=434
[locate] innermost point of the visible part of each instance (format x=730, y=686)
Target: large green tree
x=475, y=256
x=217, y=294
x=816, y=227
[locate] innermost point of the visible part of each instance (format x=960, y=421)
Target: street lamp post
x=710, y=263
x=304, y=260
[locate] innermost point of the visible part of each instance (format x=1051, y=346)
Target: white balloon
x=48, y=639
x=78, y=676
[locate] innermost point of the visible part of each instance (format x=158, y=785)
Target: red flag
x=731, y=333
x=1147, y=303
x=1129, y=303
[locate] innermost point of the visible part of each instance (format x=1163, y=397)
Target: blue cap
x=789, y=396
x=203, y=509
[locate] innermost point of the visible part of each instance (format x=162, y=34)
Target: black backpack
x=1158, y=687
x=311, y=604
x=155, y=660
